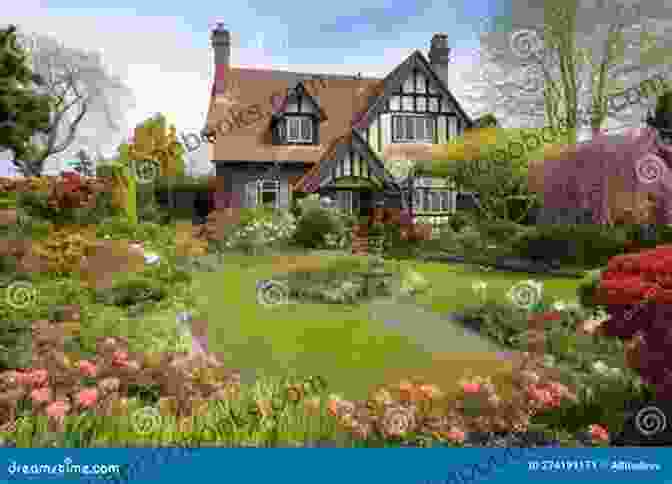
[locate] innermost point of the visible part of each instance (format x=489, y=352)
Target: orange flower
x=599, y=433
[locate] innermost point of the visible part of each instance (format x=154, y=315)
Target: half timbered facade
x=279, y=133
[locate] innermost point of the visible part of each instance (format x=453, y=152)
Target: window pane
x=398, y=127
x=409, y=128
x=433, y=104
x=419, y=128
x=395, y=103
x=422, y=104
x=407, y=103
x=417, y=200
x=306, y=129
x=445, y=201
x=293, y=128
x=429, y=128
x=426, y=203
x=408, y=84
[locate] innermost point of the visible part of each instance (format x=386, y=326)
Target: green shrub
x=314, y=225
x=15, y=344
x=500, y=232
x=134, y=290
x=581, y=245
x=460, y=220
x=586, y=290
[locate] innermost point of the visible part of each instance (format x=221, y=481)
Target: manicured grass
x=452, y=286
x=345, y=344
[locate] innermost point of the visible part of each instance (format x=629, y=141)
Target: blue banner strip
x=336, y=466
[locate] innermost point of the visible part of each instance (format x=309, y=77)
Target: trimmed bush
x=582, y=245
x=314, y=225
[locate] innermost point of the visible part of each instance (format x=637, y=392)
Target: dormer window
x=299, y=129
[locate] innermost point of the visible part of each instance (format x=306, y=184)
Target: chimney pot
x=439, y=56
x=221, y=44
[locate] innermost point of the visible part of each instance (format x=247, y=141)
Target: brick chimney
x=221, y=44
x=439, y=56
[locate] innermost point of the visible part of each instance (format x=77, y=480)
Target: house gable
x=299, y=101
x=349, y=163
x=394, y=83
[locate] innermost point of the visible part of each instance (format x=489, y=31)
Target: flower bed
x=637, y=291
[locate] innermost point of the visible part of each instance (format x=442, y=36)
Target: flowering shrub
x=102, y=385
x=413, y=411
x=637, y=291
x=268, y=229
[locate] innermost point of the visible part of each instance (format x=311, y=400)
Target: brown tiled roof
x=237, y=88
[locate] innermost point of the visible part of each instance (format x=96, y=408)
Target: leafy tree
x=83, y=93
x=481, y=161
x=23, y=112
x=154, y=141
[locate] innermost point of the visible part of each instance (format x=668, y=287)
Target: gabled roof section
x=395, y=78
x=237, y=89
x=335, y=152
x=293, y=95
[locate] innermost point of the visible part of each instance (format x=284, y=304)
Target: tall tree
x=553, y=64
x=82, y=89
x=23, y=111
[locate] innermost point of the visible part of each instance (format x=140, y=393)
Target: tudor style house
x=275, y=134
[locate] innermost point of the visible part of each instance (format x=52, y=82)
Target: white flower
x=600, y=367
x=560, y=306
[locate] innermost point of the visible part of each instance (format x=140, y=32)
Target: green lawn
x=346, y=345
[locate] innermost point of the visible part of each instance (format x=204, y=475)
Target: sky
x=162, y=49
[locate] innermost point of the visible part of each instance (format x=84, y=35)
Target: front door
x=365, y=203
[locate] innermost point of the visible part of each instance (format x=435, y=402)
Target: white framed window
x=263, y=192
x=299, y=129
x=413, y=128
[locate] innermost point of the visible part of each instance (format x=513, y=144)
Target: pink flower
x=87, y=397
x=87, y=368
x=471, y=387
x=455, y=435
x=40, y=395
x=119, y=358
x=58, y=409
x=39, y=378
x=599, y=433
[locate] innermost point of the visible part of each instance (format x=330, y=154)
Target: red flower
x=547, y=316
